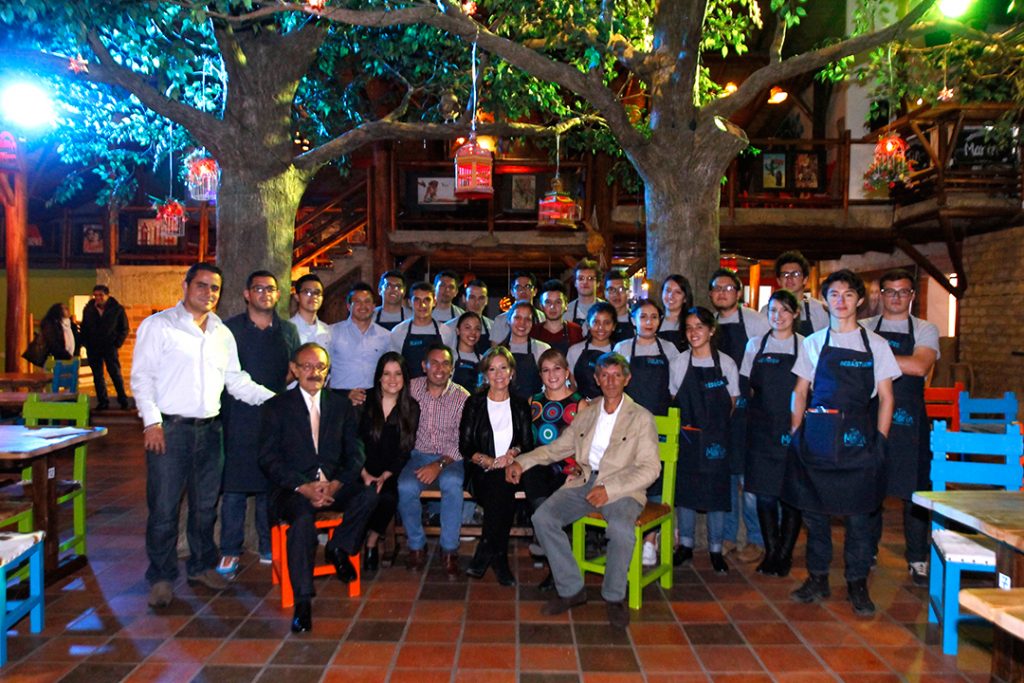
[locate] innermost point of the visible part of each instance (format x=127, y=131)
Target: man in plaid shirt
x=435, y=460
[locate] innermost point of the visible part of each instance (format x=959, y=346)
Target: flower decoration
x=171, y=213
x=78, y=65
x=890, y=165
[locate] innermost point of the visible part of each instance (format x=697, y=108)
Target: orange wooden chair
x=326, y=521
x=943, y=403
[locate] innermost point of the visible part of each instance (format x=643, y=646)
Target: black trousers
x=384, y=510
x=97, y=358
x=355, y=500
x=498, y=499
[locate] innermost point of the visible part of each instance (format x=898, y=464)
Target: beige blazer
x=629, y=465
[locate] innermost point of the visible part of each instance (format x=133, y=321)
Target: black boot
x=792, y=520
x=501, y=570
x=815, y=588
x=768, y=518
x=858, y=595
x=481, y=558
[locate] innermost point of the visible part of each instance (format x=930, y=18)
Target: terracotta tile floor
x=421, y=628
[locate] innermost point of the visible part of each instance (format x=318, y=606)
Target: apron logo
x=854, y=438
x=769, y=360
x=856, y=364
x=714, y=384
x=655, y=361
x=786, y=439
x=741, y=401
x=894, y=344
x=903, y=418
x=715, y=451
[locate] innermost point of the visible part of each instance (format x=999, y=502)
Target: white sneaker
x=649, y=557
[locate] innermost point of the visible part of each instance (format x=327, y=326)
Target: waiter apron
x=623, y=330
x=414, y=349
x=702, y=474
x=677, y=337
x=909, y=465
x=583, y=371
x=465, y=372
x=390, y=325
x=837, y=460
x=526, y=381
x=732, y=341
x=805, y=326
x=648, y=386
x=768, y=419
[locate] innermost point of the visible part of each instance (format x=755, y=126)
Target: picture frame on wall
x=524, y=193
x=808, y=171
x=773, y=171
x=92, y=238
x=436, y=191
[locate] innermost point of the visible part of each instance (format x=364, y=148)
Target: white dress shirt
x=602, y=434
x=318, y=331
x=354, y=354
x=180, y=369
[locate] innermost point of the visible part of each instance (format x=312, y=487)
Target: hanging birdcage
x=474, y=166
x=890, y=165
x=557, y=209
x=202, y=178
x=170, y=216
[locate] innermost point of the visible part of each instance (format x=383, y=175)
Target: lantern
x=557, y=209
x=473, y=171
x=171, y=216
x=203, y=177
x=890, y=165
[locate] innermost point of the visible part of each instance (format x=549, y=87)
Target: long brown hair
x=408, y=409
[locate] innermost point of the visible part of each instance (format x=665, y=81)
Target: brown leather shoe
x=558, y=604
x=416, y=560
x=450, y=561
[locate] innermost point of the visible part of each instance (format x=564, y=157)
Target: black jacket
x=104, y=332
x=53, y=335
x=476, y=435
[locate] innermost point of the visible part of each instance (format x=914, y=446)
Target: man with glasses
x=736, y=324
x=311, y=452
x=446, y=286
x=185, y=358
x=357, y=342
x=586, y=277
x=392, y=309
x=791, y=271
x=265, y=344
x=309, y=291
x=915, y=343
x=616, y=289
x=523, y=287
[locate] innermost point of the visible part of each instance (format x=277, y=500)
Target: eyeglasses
x=615, y=290
x=724, y=288
x=586, y=278
x=310, y=367
x=901, y=293
x=264, y=289
x=397, y=287
x=311, y=293
x=790, y=274
x=526, y=287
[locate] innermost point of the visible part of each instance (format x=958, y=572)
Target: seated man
x=615, y=444
x=311, y=453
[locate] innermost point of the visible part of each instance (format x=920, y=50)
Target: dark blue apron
x=731, y=340
x=483, y=344
x=466, y=372
x=702, y=474
x=562, y=344
x=526, y=381
x=648, y=380
x=414, y=349
x=837, y=460
x=583, y=372
x=623, y=330
x=390, y=325
x=909, y=464
x=677, y=337
x=805, y=326
x=580, y=320
x=768, y=419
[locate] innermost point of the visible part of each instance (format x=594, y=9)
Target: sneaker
x=649, y=557
x=160, y=594
x=815, y=588
x=857, y=592
x=266, y=558
x=228, y=565
x=209, y=578
x=918, y=573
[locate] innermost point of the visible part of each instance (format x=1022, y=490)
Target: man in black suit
x=310, y=450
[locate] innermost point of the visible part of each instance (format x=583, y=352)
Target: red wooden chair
x=943, y=403
x=328, y=521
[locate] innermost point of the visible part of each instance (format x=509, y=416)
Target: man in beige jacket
x=616, y=445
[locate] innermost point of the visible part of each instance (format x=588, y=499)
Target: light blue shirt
x=354, y=354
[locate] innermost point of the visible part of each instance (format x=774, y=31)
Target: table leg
x=44, y=504
x=1008, y=650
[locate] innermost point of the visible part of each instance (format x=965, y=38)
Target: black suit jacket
x=287, y=455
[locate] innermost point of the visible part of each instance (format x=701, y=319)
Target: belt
x=192, y=421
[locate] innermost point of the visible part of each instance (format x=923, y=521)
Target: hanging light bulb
x=777, y=95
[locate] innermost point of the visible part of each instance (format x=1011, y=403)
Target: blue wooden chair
x=988, y=411
x=65, y=376
x=953, y=552
x=16, y=550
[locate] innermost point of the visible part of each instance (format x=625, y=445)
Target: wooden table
x=25, y=381
x=40, y=447
x=998, y=515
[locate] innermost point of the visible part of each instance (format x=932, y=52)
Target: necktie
x=314, y=423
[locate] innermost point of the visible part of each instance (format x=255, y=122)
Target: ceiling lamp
x=777, y=95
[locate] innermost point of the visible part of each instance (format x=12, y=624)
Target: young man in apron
x=392, y=295
x=556, y=331
x=413, y=336
x=791, y=272
x=915, y=343
x=837, y=458
x=587, y=275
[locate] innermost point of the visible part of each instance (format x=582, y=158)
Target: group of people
x=785, y=416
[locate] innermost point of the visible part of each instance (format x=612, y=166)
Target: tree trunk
x=256, y=229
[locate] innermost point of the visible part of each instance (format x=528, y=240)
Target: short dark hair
x=446, y=273
x=259, y=273
x=646, y=302
x=306, y=347
x=195, y=268
x=602, y=307
x=392, y=273
x=726, y=272
x=522, y=304
x=522, y=273
x=786, y=298
x=849, y=277
x=614, y=274
x=612, y=358
x=476, y=283
x=554, y=285
x=439, y=346
x=101, y=288
x=360, y=287
x=308, y=277
x=895, y=275
x=587, y=264
x=419, y=286
x=792, y=257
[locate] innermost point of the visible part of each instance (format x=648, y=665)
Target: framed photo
x=807, y=172
x=524, y=193
x=436, y=191
x=151, y=233
x=773, y=171
x=92, y=238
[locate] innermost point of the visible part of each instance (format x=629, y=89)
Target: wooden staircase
x=321, y=231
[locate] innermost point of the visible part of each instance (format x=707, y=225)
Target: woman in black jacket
x=495, y=428
x=60, y=333
x=388, y=430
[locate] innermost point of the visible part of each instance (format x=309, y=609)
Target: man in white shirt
x=615, y=443
x=309, y=291
x=184, y=359
x=357, y=342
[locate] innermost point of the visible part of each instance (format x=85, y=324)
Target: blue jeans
x=858, y=546
x=232, y=522
x=409, y=488
x=748, y=505
x=191, y=465
x=687, y=518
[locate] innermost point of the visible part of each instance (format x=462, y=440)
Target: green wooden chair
x=36, y=412
x=658, y=516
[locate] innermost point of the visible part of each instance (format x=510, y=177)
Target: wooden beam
x=922, y=261
x=6, y=190
x=409, y=262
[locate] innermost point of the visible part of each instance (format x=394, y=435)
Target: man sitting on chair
x=615, y=444
x=311, y=452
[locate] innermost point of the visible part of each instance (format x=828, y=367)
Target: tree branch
x=778, y=40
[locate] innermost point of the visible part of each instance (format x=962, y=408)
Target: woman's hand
x=484, y=461
x=504, y=461
x=381, y=479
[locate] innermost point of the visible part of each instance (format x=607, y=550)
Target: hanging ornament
x=473, y=163
x=202, y=176
x=170, y=214
x=947, y=93
x=890, y=164
x=557, y=209
x=316, y=5
x=78, y=65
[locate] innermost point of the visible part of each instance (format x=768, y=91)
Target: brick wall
x=992, y=312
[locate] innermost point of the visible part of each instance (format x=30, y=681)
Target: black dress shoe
x=618, y=614
x=371, y=559
x=342, y=565
x=548, y=584
x=681, y=555
x=302, y=622
x=558, y=604
x=718, y=563
x=502, y=571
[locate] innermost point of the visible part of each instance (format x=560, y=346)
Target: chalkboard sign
x=972, y=149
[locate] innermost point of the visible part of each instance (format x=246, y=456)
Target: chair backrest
x=65, y=376
x=668, y=452
x=988, y=410
x=1001, y=465
x=75, y=412
x=944, y=403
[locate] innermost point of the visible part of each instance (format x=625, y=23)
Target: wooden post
x=754, y=277
x=204, y=232
x=14, y=192
x=380, y=206
x=113, y=235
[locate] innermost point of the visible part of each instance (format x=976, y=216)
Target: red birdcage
x=557, y=209
x=473, y=171
x=171, y=215
x=203, y=179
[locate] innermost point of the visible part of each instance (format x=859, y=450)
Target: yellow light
x=731, y=87
x=954, y=8
x=777, y=95
x=920, y=101
x=487, y=142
